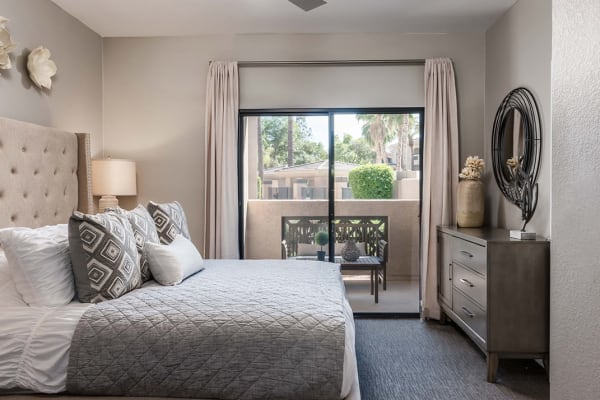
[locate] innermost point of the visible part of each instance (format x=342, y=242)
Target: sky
x=343, y=123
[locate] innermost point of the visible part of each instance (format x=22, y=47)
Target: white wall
x=575, y=269
x=154, y=91
x=518, y=52
x=75, y=101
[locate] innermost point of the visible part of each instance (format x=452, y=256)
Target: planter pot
x=321, y=255
x=471, y=203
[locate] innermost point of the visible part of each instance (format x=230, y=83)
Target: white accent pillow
x=170, y=264
x=39, y=263
x=8, y=292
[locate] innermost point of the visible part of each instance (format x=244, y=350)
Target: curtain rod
x=323, y=63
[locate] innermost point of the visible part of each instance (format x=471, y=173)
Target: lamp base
x=108, y=201
x=522, y=235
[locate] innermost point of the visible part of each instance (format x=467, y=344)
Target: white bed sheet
x=35, y=343
x=34, y=346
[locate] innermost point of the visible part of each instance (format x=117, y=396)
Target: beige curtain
x=220, y=161
x=440, y=172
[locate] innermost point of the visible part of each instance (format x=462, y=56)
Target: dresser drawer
x=470, y=254
x=471, y=284
x=470, y=313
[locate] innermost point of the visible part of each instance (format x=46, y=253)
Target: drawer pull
x=466, y=254
x=466, y=282
x=468, y=313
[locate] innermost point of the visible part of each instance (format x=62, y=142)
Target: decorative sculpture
x=6, y=45
x=41, y=68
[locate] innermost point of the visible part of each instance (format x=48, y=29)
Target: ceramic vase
x=350, y=251
x=470, y=207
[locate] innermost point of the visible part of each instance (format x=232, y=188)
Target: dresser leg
x=492, y=367
x=443, y=318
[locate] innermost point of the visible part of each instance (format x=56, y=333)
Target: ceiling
x=197, y=17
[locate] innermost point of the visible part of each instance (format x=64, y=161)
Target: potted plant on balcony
x=321, y=238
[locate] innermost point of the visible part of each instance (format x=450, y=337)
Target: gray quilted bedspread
x=237, y=330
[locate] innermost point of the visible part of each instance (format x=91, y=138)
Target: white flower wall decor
x=41, y=68
x=6, y=45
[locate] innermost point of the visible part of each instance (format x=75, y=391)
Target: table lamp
x=111, y=178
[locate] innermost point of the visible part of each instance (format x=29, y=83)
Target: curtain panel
x=440, y=172
x=220, y=161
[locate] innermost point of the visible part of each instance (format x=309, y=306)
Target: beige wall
x=575, y=269
x=154, y=91
x=263, y=236
x=75, y=101
x=518, y=52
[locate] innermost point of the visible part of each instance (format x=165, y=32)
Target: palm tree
x=261, y=166
x=403, y=126
x=375, y=131
x=290, y=146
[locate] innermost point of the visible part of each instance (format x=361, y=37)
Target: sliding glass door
x=337, y=176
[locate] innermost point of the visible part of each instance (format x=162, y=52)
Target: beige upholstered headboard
x=45, y=174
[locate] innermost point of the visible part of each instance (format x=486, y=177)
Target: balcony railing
x=263, y=227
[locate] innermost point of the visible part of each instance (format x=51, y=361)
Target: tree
x=290, y=144
x=353, y=151
x=376, y=131
x=404, y=127
x=276, y=142
x=261, y=168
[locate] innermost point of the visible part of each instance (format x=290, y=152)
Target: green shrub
x=371, y=181
x=322, y=238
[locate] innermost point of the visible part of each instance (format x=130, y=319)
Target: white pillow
x=8, y=292
x=170, y=264
x=39, y=263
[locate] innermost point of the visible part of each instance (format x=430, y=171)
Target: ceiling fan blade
x=308, y=5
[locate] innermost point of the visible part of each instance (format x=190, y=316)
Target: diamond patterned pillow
x=104, y=256
x=170, y=221
x=144, y=232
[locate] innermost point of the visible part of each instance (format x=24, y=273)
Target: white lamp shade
x=113, y=177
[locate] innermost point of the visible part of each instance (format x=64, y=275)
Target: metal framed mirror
x=516, y=150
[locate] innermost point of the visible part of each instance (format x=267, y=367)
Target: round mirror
x=516, y=149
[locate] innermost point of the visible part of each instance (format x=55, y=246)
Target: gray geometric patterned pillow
x=144, y=231
x=104, y=256
x=170, y=221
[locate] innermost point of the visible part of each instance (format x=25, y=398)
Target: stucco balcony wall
x=263, y=227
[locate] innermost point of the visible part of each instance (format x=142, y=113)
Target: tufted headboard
x=45, y=174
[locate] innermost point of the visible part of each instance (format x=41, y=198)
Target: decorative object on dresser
x=470, y=197
x=497, y=290
x=111, y=178
x=41, y=68
x=516, y=153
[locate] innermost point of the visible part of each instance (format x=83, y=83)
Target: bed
x=238, y=329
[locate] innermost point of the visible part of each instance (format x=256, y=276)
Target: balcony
x=263, y=233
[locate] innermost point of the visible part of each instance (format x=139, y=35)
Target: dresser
x=497, y=290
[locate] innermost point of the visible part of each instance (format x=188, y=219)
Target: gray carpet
x=409, y=359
